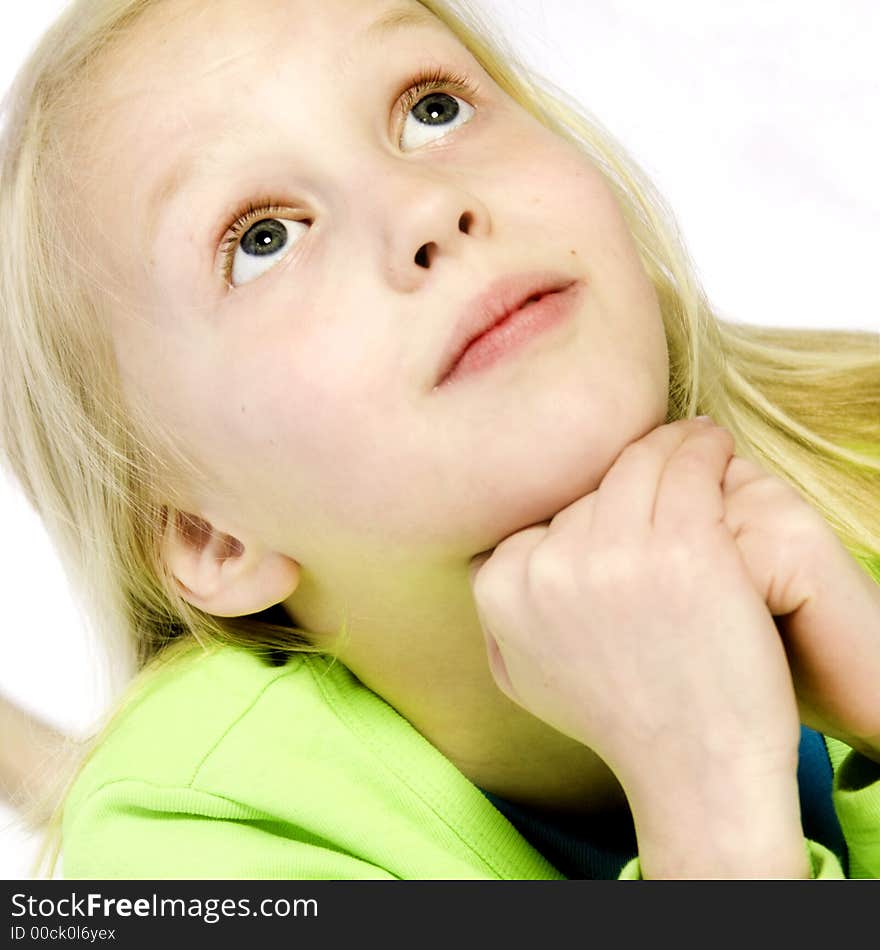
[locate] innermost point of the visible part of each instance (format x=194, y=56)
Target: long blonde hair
x=102, y=473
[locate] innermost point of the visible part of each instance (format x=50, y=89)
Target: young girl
x=354, y=375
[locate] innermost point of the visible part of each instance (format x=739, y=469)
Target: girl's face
x=308, y=389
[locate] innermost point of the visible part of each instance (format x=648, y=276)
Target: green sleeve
x=824, y=864
x=856, y=795
x=176, y=833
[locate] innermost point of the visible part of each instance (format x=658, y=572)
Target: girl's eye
x=437, y=110
x=257, y=241
x=252, y=250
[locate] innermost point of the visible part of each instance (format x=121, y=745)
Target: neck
x=434, y=671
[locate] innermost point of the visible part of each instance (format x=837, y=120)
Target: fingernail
x=702, y=418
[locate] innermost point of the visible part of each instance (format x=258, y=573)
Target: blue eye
x=438, y=110
x=262, y=246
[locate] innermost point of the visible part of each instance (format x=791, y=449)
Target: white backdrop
x=760, y=123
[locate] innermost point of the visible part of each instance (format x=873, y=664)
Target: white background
x=760, y=123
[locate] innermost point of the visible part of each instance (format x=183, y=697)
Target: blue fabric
x=579, y=847
x=815, y=778
x=584, y=848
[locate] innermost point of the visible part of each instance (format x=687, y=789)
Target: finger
x=741, y=472
x=505, y=565
x=497, y=666
x=689, y=491
x=475, y=564
x=625, y=499
x=737, y=488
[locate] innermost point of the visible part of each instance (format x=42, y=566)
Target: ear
x=222, y=574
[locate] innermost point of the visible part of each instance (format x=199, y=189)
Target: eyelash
x=424, y=82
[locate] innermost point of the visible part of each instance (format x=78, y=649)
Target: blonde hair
x=101, y=473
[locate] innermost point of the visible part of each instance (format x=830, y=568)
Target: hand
x=827, y=608
x=630, y=614
x=629, y=622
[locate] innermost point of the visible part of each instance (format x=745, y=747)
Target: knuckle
x=725, y=436
x=612, y=569
x=637, y=450
x=710, y=433
x=690, y=463
x=548, y=572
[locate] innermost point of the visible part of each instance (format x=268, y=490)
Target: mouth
x=509, y=297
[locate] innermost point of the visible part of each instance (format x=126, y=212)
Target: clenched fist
x=630, y=622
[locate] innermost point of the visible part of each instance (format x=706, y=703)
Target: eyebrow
x=173, y=180
x=399, y=19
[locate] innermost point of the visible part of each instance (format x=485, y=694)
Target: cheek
x=288, y=404
x=321, y=422
x=564, y=196
x=608, y=256
x=595, y=223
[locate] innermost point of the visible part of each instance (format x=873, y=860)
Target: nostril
x=464, y=225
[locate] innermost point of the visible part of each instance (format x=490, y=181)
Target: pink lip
x=472, y=346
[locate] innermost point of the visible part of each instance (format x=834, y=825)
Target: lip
x=501, y=299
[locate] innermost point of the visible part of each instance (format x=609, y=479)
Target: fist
x=826, y=607
x=630, y=623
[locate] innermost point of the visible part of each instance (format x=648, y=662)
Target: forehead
x=210, y=39
x=182, y=64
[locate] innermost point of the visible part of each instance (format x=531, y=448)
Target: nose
x=424, y=218
x=427, y=252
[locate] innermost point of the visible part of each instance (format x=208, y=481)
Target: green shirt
x=225, y=766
